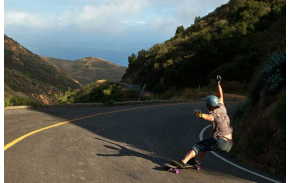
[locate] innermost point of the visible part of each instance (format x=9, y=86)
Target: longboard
x=175, y=169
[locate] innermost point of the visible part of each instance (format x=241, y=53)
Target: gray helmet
x=212, y=101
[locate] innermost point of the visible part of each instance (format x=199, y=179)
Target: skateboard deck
x=171, y=167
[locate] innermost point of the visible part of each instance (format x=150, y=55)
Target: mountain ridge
x=89, y=69
x=28, y=75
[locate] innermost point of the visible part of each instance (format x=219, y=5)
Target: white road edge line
x=200, y=137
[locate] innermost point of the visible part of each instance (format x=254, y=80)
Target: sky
x=109, y=29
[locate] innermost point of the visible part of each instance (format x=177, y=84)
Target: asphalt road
x=124, y=146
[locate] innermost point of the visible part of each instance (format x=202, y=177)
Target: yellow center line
x=58, y=124
x=7, y=146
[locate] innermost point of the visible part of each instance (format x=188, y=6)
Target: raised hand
x=218, y=79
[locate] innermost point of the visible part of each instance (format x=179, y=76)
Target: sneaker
x=178, y=163
x=193, y=162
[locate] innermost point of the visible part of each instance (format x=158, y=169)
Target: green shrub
x=93, y=92
x=7, y=103
x=67, y=98
x=275, y=72
x=95, y=95
x=18, y=101
x=116, y=93
x=272, y=74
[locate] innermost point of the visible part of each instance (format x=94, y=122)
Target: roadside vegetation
x=108, y=93
x=19, y=101
x=105, y=93
x=231, y=41
x=260, y=123
x=233, y=89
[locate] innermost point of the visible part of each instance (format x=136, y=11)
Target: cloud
x=163, y=25
x=108, y=17
x=115, y=16
x=15, y=17
x=188, y=10
x=140, y=22
x=184, y=14
x=26, y=19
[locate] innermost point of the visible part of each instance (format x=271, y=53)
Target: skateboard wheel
x=198, y=168
x=176, y=171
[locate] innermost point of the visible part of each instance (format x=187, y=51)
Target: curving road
x=114, y=144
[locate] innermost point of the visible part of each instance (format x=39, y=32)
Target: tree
x=197, y=19
x=242, y=27
x=132, y=59
x=179, y=29
x=142, y=54
x=236, y=3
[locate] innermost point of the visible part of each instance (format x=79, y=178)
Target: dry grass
x=192, y=94
x=234, y=96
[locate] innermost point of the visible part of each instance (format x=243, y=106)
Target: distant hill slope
x=89, y=69
x=231, y=41
x=26, y=74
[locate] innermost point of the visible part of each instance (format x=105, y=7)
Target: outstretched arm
x=221, y=96
x=207, y=117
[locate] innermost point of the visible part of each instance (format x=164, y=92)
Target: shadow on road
x=123, y=151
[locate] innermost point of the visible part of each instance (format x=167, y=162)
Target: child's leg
x=204, y=145
x=200, y=148
x=195, y=161
x=200, y=155
x=189, y=155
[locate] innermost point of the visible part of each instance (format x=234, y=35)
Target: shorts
x=211, y=144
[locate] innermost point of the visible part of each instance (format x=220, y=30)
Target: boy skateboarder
x=222, y=137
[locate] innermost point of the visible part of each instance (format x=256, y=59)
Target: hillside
x=27, y=75
x=231, y=41
x=260, y=124
x=89, y=69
